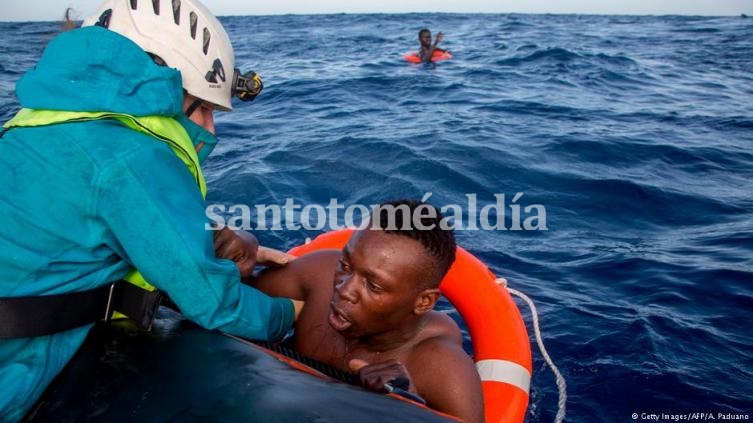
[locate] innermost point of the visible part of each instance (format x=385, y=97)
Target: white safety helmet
x=185, y=35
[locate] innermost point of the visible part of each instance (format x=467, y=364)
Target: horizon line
x=741, y=15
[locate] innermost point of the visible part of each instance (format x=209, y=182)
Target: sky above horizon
x=51, y=10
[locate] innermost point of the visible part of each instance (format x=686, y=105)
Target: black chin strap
x=192, y=108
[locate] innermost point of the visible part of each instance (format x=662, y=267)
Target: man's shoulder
x=442, y=343
x=439, y=333
x=300, y=279
x=315, y=269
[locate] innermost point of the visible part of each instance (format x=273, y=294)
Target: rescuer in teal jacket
x=96, y=182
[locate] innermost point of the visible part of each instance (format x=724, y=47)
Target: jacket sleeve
x=156, y=215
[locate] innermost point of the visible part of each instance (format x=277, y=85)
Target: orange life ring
x=435, y=57
x=501, y=347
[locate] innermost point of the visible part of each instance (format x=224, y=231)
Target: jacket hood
x=95, y=69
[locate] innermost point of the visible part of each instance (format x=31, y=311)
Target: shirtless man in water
x=369, y=309
x=427, y=48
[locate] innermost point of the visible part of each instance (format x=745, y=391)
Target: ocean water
x=635, y=134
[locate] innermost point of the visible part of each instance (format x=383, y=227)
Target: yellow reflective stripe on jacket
x=166, y=129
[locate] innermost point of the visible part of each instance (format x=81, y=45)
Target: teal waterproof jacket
x=84, y=202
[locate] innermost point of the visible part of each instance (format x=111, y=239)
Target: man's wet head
x=389, y=273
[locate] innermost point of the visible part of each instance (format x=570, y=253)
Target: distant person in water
x=68, y=22
x=427, y=47
x=369, y=309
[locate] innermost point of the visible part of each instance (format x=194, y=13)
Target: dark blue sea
x=635, y=134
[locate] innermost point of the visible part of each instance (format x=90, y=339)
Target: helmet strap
x=192, y=108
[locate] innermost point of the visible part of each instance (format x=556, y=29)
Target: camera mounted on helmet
x=247, y=86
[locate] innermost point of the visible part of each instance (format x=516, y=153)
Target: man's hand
x=244, y=249
x=270, y=257
x=238, y=246
x=377, y=376
x=439, y=38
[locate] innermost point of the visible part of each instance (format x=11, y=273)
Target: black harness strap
x=27, y=317
x=24, y=317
